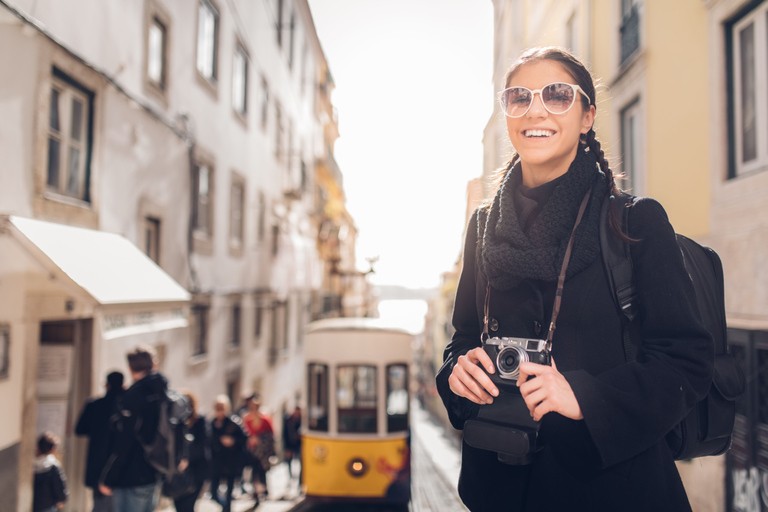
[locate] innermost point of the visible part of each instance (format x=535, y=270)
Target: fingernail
x=495, y=392
x=489, y=401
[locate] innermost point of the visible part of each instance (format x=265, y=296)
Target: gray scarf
x=506, y=255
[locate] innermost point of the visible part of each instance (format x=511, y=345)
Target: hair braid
x=613, y=214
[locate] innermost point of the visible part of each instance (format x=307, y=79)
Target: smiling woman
x=533, y=301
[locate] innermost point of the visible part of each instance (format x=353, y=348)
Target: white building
x=156, y=187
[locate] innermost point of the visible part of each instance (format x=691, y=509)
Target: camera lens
x=508, y=361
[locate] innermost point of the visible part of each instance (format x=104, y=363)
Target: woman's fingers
x=470, y=381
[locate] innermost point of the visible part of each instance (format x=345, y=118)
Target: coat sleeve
x=630, y=408
x=83, y=427
x=467, y=332
x=59, y=489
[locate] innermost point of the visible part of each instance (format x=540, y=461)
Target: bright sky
x=413, y=92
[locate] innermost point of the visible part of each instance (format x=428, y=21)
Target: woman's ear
x=588, y=119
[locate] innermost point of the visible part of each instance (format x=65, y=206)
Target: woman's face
x=549, y=154
x=220, y=410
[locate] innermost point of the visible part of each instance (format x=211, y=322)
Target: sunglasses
x=557, y=98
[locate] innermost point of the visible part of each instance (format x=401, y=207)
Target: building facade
x=681, y=111
x=159, y=186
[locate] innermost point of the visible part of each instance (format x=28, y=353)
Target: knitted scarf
x=506, y=255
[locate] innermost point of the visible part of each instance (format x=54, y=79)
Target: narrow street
x=435, y=465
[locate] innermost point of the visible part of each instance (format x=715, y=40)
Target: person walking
x=227, y=445
x=128, y=476
x=292, y=440
x=592, y=423
x=97, y=422
x=50, y=489
x=261, y=443
x=199, y=454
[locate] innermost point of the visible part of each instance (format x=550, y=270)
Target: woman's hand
x=227, y=441
x=470, y=381
x=548, y=392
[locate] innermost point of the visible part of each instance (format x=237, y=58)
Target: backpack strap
x=618, y=266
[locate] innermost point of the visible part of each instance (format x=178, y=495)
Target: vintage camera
x=508, y=353
x=506, y=426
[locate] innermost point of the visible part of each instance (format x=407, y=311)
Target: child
x=50, y=483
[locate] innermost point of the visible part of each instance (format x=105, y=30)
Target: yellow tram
x=356, y=430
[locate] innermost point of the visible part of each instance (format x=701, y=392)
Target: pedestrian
x=247, y=464
x=292, y=439
x=227, y=445
x=199, y=454
x=50, y=487
x=261, y=443
x=128, y=476
x=97, y=422
x=600, y=442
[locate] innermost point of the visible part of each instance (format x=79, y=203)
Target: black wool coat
x=98, y=422
x=616, y=458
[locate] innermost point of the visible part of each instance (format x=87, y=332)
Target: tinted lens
x=558, y=97
x=515, y=101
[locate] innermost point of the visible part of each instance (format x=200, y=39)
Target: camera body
x=508, y=353
x=506, y=426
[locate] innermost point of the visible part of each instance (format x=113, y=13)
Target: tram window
x=397, y=397
x=356, y=398
x=317, y=393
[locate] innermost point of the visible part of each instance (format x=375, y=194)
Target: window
x=631, y=133
x=200, y=336
x=240, y=81
x=264, y=103
x=304, y=63
x=237, y=210
x=291, y=39
x=279, y=23
x=156, y=53
x=152, y=238
x=235, y=322
x=5, y=350
x=258, y=317
x=356, y=398
x=278, y=132
x=397, y=397
x=262, y=220
x=69, y=138
x=204, y=195
x=748, y=91
x=630, y=29
x=317, y=396
x=278, y=339
x=275, y=239
x=207, y=36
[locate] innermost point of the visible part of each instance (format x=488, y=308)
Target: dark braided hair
x=583, y=78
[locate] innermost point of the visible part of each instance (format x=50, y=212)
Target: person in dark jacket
x=598, y=421
x=50, y=484
x=97, y=422
x=292, y=439
x=128, y=476
x=227, y=445
x=199, y=454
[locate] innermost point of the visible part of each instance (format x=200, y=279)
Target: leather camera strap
x=560, y=281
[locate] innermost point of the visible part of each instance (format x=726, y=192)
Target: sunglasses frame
x=533, y=94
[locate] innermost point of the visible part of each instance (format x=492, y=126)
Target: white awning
x=107, y=266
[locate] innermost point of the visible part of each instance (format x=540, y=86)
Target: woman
x=261, y=444
x=199, y=454
x=227, y=445
x=601, y=443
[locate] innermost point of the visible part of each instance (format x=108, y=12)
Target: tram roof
x=355, y=324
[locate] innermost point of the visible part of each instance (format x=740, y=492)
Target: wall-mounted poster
x=54, y=370
x=5, y=349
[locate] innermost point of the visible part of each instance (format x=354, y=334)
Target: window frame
x=210, y=80
x=5, y=351
x=323, y=394
x=201, y=316
x=235, y=321
x=240, y=110
x=397, y=422
x=68, y=90
x=237, y=236
x=152, y=238
x=758, y=17
x=634, y=177
x=203, y=238
x=356, y=408
x=155, y=13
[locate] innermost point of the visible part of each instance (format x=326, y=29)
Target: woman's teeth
x=539, y=133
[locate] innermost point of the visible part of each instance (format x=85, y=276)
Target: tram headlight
x=357, y=467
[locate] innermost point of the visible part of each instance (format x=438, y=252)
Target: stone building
x=159, y=185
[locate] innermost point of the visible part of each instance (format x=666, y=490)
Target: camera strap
x=560, y=281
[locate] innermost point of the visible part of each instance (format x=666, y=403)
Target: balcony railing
x=630, y=34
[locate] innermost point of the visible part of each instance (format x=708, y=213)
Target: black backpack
x=708, y=427
x=171, y=442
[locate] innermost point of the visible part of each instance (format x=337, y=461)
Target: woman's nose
x=537, y=107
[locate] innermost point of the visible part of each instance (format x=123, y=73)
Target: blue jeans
x=135, y=499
